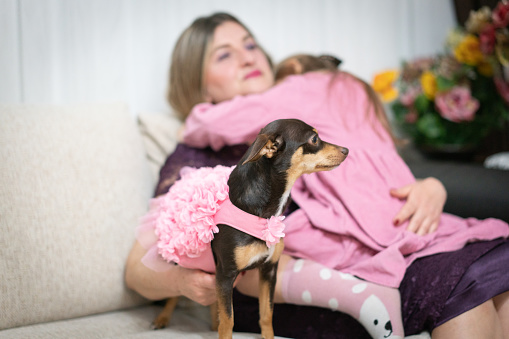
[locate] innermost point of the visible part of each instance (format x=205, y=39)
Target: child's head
x=302, y=63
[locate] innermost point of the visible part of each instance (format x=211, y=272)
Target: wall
x=71, y=51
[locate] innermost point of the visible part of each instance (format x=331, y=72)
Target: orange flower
x=429, y=85
x=468, y=51
x=383, y=84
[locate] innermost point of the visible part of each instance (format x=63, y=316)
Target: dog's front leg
x=266, y=298
x=268, y=277
x=224, y=290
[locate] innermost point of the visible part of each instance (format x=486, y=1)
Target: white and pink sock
x=376, y=307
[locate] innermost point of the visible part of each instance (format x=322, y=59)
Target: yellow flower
x=429, y=85
x=383, y=84
x=468, y=51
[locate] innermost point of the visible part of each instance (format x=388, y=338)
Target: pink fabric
x=180, y=224
x=345, y=220
x=269, y=230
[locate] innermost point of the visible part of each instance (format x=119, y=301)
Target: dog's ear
x=264, y=145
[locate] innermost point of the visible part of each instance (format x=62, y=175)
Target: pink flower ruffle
x=274, y=230
x=185, y=223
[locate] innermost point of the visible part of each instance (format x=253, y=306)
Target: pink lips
x=253, y=74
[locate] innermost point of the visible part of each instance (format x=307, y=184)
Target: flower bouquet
x=454, y=100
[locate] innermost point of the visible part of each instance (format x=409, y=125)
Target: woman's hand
x=197, y=285
x=425, y=200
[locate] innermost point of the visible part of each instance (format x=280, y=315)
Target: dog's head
x=294, y=147
x=282, y=152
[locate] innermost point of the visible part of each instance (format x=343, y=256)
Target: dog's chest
x=254, y=254
x=263, y=257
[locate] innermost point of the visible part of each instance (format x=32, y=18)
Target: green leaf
x=429, y=125
x=399, y=111
x=422, y=103
x=444, y=84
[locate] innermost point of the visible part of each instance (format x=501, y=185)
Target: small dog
x=260, y=185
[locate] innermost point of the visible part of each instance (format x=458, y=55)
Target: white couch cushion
x=73, y=182
x=159, y=132
x=128, y=324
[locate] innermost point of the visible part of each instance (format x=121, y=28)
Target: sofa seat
x=130, y=323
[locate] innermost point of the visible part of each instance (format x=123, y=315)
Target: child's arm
x=236, y=121
x=229, y=123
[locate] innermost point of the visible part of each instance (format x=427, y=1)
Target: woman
x=227, y=63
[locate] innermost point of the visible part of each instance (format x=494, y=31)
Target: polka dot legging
x=376, y=307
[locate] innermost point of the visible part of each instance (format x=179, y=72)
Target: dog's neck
x=259, y=189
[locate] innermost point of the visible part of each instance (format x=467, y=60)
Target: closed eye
x=223, y=56
x=251, y=46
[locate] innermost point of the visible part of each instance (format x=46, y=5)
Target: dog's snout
x=344, y=150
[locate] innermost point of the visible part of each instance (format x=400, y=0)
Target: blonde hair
x=185, y=86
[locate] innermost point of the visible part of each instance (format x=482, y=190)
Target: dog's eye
x=314, y=140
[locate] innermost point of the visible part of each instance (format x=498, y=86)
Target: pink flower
x=457, y=105
x=487, y=39
x=274, y=231
x=410, y=95
x=411, y=117
x=501, y=14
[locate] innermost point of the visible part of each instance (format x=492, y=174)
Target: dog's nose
x=344, y=150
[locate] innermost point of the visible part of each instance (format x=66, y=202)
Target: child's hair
x=303, y=63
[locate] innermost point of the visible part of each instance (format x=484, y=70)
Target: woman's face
x=234, y=65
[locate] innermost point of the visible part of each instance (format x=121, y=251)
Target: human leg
x=371, y=304
x=376, y=307
x=501, y=302
x=481, y=322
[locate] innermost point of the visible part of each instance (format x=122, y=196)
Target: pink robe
x=345, y=216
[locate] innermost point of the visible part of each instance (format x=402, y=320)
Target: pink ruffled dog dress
x=180, y=224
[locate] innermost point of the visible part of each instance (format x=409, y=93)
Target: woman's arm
x=194, y=284
x=425, y=200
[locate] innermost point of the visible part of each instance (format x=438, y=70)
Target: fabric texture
x=486, y=277
x=333, y=204
x=74, y=183
x=159, y=132
x=130, y=323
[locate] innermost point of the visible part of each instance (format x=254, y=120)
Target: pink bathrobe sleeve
x=345, y=215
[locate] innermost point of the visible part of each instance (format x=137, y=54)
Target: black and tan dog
x=260, y=185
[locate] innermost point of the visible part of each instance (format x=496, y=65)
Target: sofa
x=74, y=182
x=75, y=179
